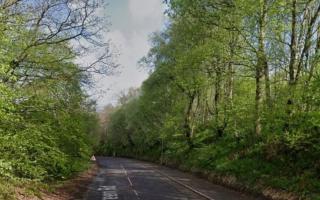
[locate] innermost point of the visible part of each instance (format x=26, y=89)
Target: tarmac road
x=126, y=179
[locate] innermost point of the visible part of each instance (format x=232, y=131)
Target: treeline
x=234, y=90
x=46, y=118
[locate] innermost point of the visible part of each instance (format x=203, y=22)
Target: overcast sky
x=132, y=23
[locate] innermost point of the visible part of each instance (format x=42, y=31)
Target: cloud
x=131, y=41
x=146, y=14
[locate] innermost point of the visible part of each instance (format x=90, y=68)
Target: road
x=126, y=179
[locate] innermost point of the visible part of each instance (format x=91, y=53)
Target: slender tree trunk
x=258, y=101
x=313, y=65
x=261, y=65
x=228, y=105
x=317, y=58
x=230, y=84
x=187, y=120
x=293, y=44
x=230, y=81
x=267, y=82
x=292, y=63
x=307, y=43
x=217, y=98
x=217, y=92
x=263, y=56
x=231, y=73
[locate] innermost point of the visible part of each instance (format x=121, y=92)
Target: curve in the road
x=126, y=179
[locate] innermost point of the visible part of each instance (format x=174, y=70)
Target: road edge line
x=184, y=185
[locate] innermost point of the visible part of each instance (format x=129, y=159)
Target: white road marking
x=107, y=188
x=109, y=195
x=136, y=193
x=184, y=185
x=130, y=182
x=178, y=182
x=108, y=192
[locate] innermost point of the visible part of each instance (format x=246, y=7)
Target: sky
x=132, y=23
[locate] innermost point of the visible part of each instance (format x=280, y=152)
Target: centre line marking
x=130, y=182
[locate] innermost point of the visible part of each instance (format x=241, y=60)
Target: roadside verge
x=75, y=188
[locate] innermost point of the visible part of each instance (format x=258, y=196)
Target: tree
x=47, y=120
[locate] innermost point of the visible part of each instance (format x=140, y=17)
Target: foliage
x=234, y=89
x=47, y=120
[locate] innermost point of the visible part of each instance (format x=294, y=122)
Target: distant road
x=127, y=179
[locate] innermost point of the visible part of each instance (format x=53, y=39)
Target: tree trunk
x=258, y=101
x=267, y=82
x=292, y=63
x=231, y=73
x=217, y=93
x=313, y=65
x=307, y=43
x=317, y=58
x=217, y=98
x=187, y=120
x=261, y=65
x=263, y=56
x=293, y=44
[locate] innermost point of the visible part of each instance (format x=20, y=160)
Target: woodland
x=233, y=94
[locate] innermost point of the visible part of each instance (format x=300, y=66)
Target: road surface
x=126, y=179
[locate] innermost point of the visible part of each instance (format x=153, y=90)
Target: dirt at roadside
x=70, y=190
